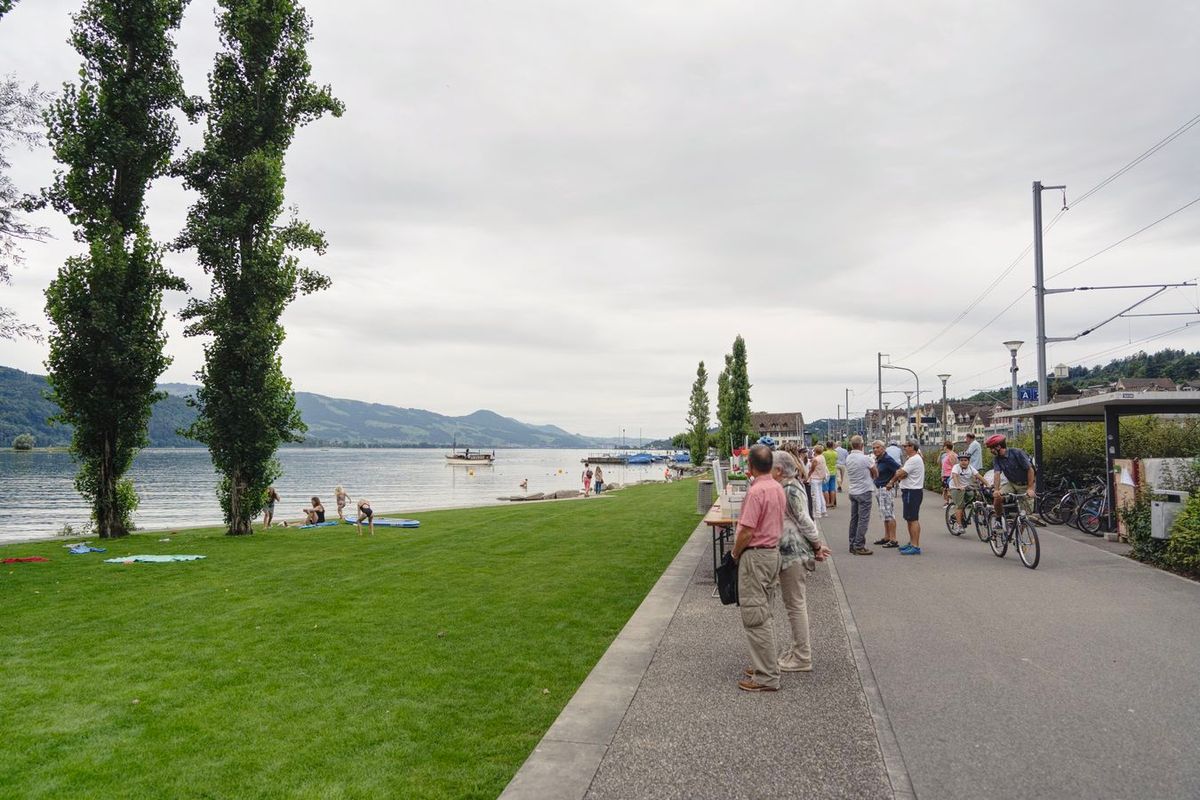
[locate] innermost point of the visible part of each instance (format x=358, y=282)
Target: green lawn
x=422, y=663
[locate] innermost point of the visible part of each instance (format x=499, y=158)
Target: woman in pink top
x=949, y=460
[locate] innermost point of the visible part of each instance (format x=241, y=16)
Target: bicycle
x=1020, y=532
x=1066, y=510
x=1093, y=512
x=974, y=513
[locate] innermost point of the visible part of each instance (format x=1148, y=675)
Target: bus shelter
x=1106, y=408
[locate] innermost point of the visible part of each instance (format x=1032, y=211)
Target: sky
x=556, y=210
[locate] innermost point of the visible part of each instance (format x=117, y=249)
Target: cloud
x=555, y=211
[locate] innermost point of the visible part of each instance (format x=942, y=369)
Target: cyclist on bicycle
x=1013, y=470
x=962, y=478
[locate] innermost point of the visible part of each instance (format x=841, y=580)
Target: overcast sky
x=555, y=210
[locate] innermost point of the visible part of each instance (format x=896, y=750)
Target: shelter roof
x=1091, y=409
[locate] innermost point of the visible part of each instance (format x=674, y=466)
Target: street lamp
x=945, y=376
x=918, y=380
x=1013, y=346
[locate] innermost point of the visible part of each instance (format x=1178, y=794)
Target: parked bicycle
x=1065, y=510
x=1093, y=512
x=1014, y=526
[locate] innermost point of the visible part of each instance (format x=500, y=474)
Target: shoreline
x=289, y=527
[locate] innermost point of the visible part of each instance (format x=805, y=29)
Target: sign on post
x=1027, y=395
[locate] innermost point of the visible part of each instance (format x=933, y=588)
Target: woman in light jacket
x=818, y=475
x=800, y=548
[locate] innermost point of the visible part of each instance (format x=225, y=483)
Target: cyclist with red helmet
x=1013, y=471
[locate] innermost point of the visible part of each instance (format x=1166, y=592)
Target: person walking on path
x=587, y=479
x=831, y=466
x=885, y=496
x=949, y=462
x=1013, y=474
x=842, y=453
x=975, y=452
x=598, y=477
x=911, y=478
x=818, y=477
x=756, y=551
x=860, y=472
x=800, y=548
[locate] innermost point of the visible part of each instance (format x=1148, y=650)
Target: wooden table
x=723, y=527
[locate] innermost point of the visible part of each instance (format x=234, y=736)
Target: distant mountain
x=331, y=421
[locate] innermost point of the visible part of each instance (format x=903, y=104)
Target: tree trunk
x=108, y=515
x=239, y=521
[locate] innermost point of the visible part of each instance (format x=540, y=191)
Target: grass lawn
x=418, y=663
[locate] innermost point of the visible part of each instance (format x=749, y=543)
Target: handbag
x=727, y=580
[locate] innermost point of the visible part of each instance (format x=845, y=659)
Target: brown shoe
x=748, y=672
x=862, y=551
x=751, y=686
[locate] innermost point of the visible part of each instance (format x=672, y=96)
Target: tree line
x=733, y=407
x=113, y=130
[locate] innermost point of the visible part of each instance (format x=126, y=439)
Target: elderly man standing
x=860, y=475
x=974, y=452
x=756, y=550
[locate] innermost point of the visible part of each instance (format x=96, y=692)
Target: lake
x=178, y=486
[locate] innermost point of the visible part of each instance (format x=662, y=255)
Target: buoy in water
x=471, y=472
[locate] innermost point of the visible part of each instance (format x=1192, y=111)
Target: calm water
x=177, y=487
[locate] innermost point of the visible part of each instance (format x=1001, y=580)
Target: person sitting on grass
x=315, y=513
x=365, y=512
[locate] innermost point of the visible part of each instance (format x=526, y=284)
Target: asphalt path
x=1078, y=679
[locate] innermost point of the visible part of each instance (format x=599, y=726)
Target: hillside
x=331, y=421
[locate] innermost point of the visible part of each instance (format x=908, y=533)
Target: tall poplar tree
x=697, y=418
x=723, y=407
x=739, y=395
x=260, y=93
x=115, y=133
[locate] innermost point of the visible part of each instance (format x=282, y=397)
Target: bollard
x=704, y=497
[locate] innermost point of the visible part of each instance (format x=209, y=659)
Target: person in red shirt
x=756, y=550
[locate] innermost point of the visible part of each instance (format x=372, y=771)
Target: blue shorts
x=912, y=503
x=831, y=484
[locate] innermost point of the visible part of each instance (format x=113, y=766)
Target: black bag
x=727, y=580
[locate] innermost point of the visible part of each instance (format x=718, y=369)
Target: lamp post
x=885, y=424
x=1013, y=346
x=918, y=380
x=945, y=376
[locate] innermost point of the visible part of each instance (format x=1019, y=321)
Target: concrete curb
x=566, y=759
x=889, y=746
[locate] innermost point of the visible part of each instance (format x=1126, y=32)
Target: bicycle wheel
x=1068, y=509
x=979, y=516
x=1046, y=504
x=1029, y=548
x=997, y=536
x=1090, y=520
x=952, y=521
x=1054, y=512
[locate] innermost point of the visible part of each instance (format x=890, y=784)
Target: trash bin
x=1165, y=506
x=704, y=497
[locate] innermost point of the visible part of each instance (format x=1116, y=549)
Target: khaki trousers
x=792, y=583
x=758, y=575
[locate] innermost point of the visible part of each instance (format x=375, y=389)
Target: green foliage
x=20, y=120
x=6, y=6
x=1183, y=548
x=1136, y=517
x=1077, y=449
x=23, y=441
x=115, y=132
x=738, y=423
x=679, y=441
x=697, y=417
x=260, y=94
x=306, y=664
x=724, y=406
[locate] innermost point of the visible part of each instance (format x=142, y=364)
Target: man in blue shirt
x=1015, y=467
x=974, y=452
x=886, y=467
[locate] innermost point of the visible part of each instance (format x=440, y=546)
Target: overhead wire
x=1160, y=144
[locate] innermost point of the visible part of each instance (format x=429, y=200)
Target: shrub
x=23, y=441
x=1183, y=548
x=1136, y=517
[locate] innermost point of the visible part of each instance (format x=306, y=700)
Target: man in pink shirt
x=756, y=549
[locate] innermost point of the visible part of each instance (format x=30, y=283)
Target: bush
x=1136, y=517
x=1183, y=548
x=1077, y=449
x=23, y=441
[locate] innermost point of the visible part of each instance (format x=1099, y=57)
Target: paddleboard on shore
x=318, y=525
x=398, y=523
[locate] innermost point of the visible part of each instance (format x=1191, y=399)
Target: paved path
x=953, y=674
x=1078, y=679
